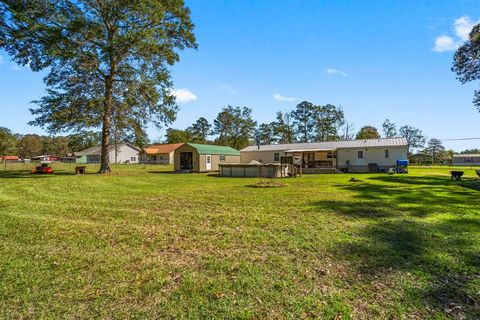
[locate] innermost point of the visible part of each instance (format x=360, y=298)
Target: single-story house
x=466, y=159
x=121, y=153
x=45, y=158
x=159, y=153
x=9, y=158
x=420, y=158
x=365, y=155
x=193, y=157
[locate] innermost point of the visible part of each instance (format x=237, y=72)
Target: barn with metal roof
x=193, y=157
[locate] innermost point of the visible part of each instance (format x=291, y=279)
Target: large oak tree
x=466, y=62
x=107, y=60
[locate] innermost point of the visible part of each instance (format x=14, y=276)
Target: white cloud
x=279, y=97
x=228, y=88
x=462, y=27
x=445, y=43
x=333, y=71
x=184, y=95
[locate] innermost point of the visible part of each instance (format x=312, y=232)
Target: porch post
x=301, y=165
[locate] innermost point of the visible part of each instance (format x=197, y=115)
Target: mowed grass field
x=144, y=243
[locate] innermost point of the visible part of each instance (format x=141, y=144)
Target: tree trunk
x=106, y=124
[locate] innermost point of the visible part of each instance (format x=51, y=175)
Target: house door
x=186, y=160
x=208, y=159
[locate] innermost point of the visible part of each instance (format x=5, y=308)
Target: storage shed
x=193, y=157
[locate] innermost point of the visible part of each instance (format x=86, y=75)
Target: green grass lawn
x=144, y=243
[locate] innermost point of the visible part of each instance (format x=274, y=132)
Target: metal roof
x=331, y=145
x=162, y=148
x=95, y=151
x=212, y=149
x=308, y=150
x=88, y=151
x=468, y=155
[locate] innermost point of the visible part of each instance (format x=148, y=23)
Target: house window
x=468, y=160
x=386, y=154
x=360, y=154
x=222, y=157
x=133, y=159
x=330, y=155
x=276, y=156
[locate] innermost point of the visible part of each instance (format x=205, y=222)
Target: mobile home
x=466, y=159
x=365, y=155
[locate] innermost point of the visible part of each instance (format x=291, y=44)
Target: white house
x=366, y=155
x=120, y=153
x=466, y=159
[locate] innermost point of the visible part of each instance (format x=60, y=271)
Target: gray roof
x=331, y=145
x=96, y=151
x=469, y=155
x=88, y=151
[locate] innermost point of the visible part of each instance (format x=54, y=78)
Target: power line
x=459, y=139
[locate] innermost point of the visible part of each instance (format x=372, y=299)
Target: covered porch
x=313, y=160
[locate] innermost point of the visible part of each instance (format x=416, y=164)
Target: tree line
x=31, y=145
x=234, y=126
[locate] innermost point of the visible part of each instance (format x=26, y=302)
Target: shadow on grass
x=441, y=180
x=27, y=174
x=395, y=236
x=164, y=172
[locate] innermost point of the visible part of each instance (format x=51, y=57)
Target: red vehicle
x=44, y=168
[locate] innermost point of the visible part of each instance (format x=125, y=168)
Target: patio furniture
x=456, y=175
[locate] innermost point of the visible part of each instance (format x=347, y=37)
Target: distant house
x=160, y=153
x=203, y=158
x=120, y=153
x=9, y=158
x=466, y=159
x=370, y=155
x=45, y=158
x=420, y=158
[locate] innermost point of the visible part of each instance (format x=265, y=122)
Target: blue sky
x=377, y=59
